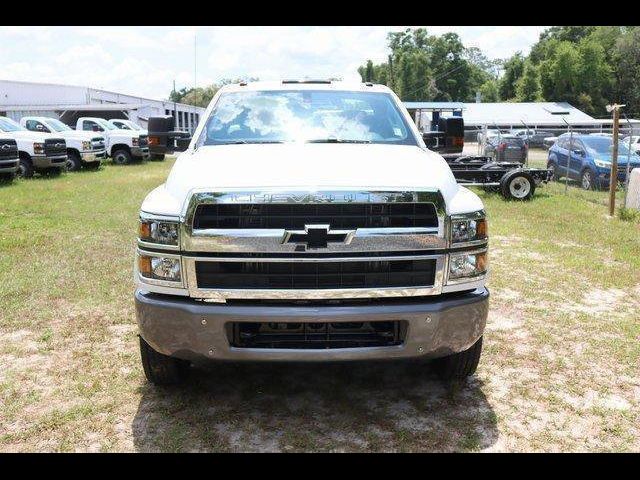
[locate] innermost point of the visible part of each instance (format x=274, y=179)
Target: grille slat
x=316, y=275
x=8, y=149
x=296, y=216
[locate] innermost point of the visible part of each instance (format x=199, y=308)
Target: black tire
x=459, y=365
x=554, y=176
x=161, y=369
x=25, y=167
x=121, y=157
x=74, y=162
x=517, y=185
x=157, y=157
x=587, y=179
x=91, y=165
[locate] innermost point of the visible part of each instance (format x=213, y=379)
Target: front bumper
x=140, y=151
x=194, y=330
x=9, y=166
x=42, y=161
x=93, y=156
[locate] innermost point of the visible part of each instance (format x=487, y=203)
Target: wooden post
x=613, y=178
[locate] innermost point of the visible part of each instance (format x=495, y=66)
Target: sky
x=145, y=61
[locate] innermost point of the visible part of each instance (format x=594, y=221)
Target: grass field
x=560, y=369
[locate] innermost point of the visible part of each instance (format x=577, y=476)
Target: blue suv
x=590, y=162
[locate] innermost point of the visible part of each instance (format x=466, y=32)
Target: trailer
x=445, y=135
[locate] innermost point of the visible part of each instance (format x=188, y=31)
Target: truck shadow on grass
x=382, y=406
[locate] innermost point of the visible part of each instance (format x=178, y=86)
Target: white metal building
x=68, y=103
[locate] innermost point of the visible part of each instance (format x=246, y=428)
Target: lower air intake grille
x=315, y=275
x=316, y=335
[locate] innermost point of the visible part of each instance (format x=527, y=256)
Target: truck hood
x=309, y=167
x=28, y=135
x=79, y=134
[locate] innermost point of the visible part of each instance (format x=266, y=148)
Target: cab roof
x=304, y=84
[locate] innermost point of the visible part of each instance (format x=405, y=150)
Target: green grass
x=559, y=370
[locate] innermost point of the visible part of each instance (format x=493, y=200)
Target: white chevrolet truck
x=123, y=146
x=307, y=221
x=38, y=151
x=84, y=149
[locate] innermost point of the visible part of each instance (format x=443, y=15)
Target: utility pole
x=613, y=177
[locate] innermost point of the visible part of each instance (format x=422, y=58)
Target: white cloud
x=145, y=60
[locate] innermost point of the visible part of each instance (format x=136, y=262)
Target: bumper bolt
x=428, y=319
x=211, y=352
x=203, y=322
x=420, y=349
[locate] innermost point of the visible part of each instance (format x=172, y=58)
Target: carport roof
x=532, y=113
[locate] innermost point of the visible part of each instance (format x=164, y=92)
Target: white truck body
x=38, y=151
x=87, y=147
x=285, y=246
x=117, y=140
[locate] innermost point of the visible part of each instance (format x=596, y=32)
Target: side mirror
x=578, y=152
x=96, y=128
x=181, y=144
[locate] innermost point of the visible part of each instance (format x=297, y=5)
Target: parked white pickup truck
x=129, y=125
x=38, y=151
x=307, y=221
x=123, y=146
x=84, y=149
x=9, y=159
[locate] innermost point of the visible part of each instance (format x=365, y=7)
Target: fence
x=569, y=183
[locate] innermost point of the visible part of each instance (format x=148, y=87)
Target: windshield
x=8, y=125
x=604, y=146
x=306, y=116
x=57, y=125
x=132, y=126
x=104, y=124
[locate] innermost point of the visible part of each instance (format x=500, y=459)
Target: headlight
x=468, y=229
x=159, y=268
x=86, y=145
x=158, y=231
x=602, y=164
x=135, y=141
x=467, y=265
x=38, y=148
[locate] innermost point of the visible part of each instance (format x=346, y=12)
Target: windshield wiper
x=336, y=140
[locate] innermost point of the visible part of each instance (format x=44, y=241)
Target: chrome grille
x=54, y=147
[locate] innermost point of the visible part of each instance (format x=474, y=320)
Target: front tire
x=459, y=365
x=74, y=162
x=25, y=168
x=122, y=157
x=518, y=185
x=161, y=369
x=587, y=180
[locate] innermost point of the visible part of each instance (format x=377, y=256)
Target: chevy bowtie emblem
x=6, y=146
x=317, y=236
x=58, y=145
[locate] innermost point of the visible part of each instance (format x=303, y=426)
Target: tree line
x=587, y=66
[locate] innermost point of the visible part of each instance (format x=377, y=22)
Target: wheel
x=459, y=365
x=161, y=369
x=121, y=157
x=91, y=165
x=586, y=180
x=517, y=185
x=554, y=171
x=157, y=156
x=25, y=168
x=74, y=162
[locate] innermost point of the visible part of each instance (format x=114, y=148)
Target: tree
x=201, y=96
x=513, y=69
x=489, y=91
x=528, y=86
